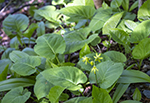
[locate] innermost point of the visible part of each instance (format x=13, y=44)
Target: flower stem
x=96, y=79
x=139, y=66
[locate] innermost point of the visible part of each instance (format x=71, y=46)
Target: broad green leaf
x=130, y=101
x=28, y=41
x=55, y=93
x=84, y=51
x=2, y=48
x=107, y=74
x=5, y=55
x=63, y=97
x=28, y=33
x=133, y=6
x=100, y=18
x=88, y=66
x=130, y=24
x=15, y=82
x=16, y=55
x=142, y=50
x=133, y=76
x=26, y=66
x=3, y=74
x=14, y=43
x=17, y=22
x=16, y=95
x=140, y=32
x=96, y=41
x=81, y=23
x=77, y=13
x=105, y=5
x=75, y=100
x=49, y=13
x=129, y=16
x=111, y=23
x=67, y=76
x=87, y=100
x=125, y=5
x=82, y=2
x=119, y=36
x=143, y=12
x=4, y=63
x=137, y=95
x=42, y=87
x=116, y=56
x=77, y=39
x=29, y=51
x=100, y=95
x=49, y=45
x=41, y=28
x=116, y=3
x=121, y=88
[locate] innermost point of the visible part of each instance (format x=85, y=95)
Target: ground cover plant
x=70, y=52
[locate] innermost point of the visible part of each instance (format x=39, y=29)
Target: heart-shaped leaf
x=15, y=82
x=140, y=32
x=77, y=13
x=142, y=50
x=49, y=45
x=133, y=76
x=17, y=22
x=67, y=76
x=16, y=95
x=108, y=72
x=42, y=87
x=26, y=66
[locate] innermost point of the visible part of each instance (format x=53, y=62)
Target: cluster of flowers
x=92, y=63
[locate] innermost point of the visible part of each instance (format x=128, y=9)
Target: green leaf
x=116, y=56
x=111, y=23
x=130, y=24
x=67, y=76
x=77, y=13
x=96, y=41
x=4, y=63
x=116, y=3
x=87, y=100
x=99, y=19
x=14, y=43
x=28, y=33
x=16, y=55
x=137, y=95
x=140, y=32
x=75, y=100
x=16, y=95
x=84, y=51
x=17, y=22
x=49, y=45
x=143, y=12
x=125, y=5
x=55, y=93
x=88, y=66
x=107, y=74
x=29, y=51
x=63, y=97
x=142, y=50
x=26, y=66
x=100, y=95
x=121, y=88
x=133, y=76
x=131, y=101
x=47, y=12
x=42, y=87
x=15, y=82
x=3, y=75
x=133, y=6
x=5, y=55
x=41, y=28
x=2, y=48
x=82, y=2
x=77, y=39
x=119, y=36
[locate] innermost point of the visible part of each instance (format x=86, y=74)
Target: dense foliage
x=37, y=65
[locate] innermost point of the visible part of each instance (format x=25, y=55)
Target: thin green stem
x=139, y=66
x=120, y=47
x=96, y=79
x=57, y=59
x=93, y=49
x=62, y=27
x=99, y=48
